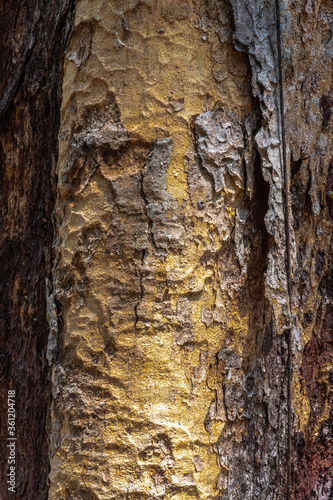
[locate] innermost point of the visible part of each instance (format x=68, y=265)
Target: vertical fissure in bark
x=286, y=197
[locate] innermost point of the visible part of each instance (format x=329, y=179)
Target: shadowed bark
x=33, y=38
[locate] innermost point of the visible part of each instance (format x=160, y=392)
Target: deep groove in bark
x=286, y=197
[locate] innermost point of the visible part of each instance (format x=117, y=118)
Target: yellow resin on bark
x=138, y=430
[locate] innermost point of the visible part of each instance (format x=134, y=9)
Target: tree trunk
x=168, y=330
x=33, y=38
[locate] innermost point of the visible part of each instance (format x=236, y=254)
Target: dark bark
x=33, y=38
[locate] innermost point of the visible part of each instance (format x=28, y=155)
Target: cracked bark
x=189, y=301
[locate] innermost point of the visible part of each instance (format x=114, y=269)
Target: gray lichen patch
x=220, y=145
x=163, y=210
x=256, y=34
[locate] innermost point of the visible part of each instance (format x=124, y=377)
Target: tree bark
x=33, y=38
x=168, y=329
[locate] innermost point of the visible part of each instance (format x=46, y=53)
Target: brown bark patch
x=315, y=451
x=33, y=42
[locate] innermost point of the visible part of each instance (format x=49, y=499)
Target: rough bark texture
x=309, y=108
x=190, y=301
x=33, y=37
x=176, y=252
x=171, y=273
